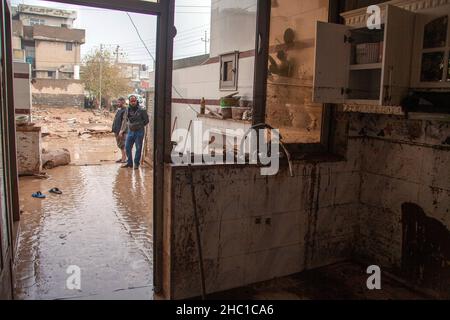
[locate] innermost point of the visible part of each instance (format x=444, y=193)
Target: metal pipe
x=197, y=232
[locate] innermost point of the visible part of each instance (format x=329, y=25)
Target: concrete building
x=138, y=75
x=44, y=38
x=37, y=15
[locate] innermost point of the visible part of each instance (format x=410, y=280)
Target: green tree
x=102, y=77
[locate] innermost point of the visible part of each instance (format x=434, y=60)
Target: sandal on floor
x=38, y=195
x=55, y=191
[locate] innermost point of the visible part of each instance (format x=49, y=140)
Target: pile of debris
x=66, y=122
x=66, y=127
x=55, y=158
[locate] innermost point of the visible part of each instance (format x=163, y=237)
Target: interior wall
x=405, y=198
x=387, y=203
x=256, y=228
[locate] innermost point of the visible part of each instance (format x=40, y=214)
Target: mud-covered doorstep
x=256, y=228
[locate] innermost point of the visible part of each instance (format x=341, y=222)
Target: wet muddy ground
x=86, y=134
x=341, y=281
x=102, y=223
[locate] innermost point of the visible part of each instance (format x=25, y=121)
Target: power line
x=154, y=60
x=140, y=37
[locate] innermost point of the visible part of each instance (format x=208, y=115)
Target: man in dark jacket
x=134, y=122
x=117, y=127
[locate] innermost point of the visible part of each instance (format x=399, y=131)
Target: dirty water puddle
x=101, y=226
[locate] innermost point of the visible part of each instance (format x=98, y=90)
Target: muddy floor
x=102, y=223
x=86, y=134
x=341, y=281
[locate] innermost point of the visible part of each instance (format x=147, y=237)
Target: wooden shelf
x=211, y=117
x=362, y=102
x=368, y=66
x=362, y=107
x=443, y=117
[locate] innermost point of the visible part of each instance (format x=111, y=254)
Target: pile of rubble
x=64, y=130
x=67, y=122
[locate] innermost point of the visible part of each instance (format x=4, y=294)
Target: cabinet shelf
x=367, y=66
x=370, y=107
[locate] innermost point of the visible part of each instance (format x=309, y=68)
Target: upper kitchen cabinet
x=357, y=66
x=431, y=58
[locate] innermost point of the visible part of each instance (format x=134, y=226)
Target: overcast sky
x=113, y=28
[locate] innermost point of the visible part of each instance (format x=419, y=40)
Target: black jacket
x=118, y=120
x=135, y=119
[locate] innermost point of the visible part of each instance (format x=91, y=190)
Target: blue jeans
x=134, y=138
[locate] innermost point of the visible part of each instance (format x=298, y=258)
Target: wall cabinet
x=373, y=70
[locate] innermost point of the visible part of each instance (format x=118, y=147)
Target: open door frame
x=165, y=12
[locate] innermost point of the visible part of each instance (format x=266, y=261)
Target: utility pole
x=206, y=40
x=117, y=54
x=101, y=75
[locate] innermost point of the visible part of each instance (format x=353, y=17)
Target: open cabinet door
x=332, y=60
x=398, y=48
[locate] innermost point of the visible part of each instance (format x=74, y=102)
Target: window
x=36, y=22
x=229, y=64
x=289, y=76
x=50, y=74
x=435, y=51
x=69, y=46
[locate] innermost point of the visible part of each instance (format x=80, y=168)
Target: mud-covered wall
x=255, y=227
x=387, y=203
x=405, y=198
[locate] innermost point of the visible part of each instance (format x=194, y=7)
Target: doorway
x=87, y=206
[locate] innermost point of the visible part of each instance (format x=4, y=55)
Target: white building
x=233, y=25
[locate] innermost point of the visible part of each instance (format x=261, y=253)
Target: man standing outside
x=117, y=127
x=134, y=122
